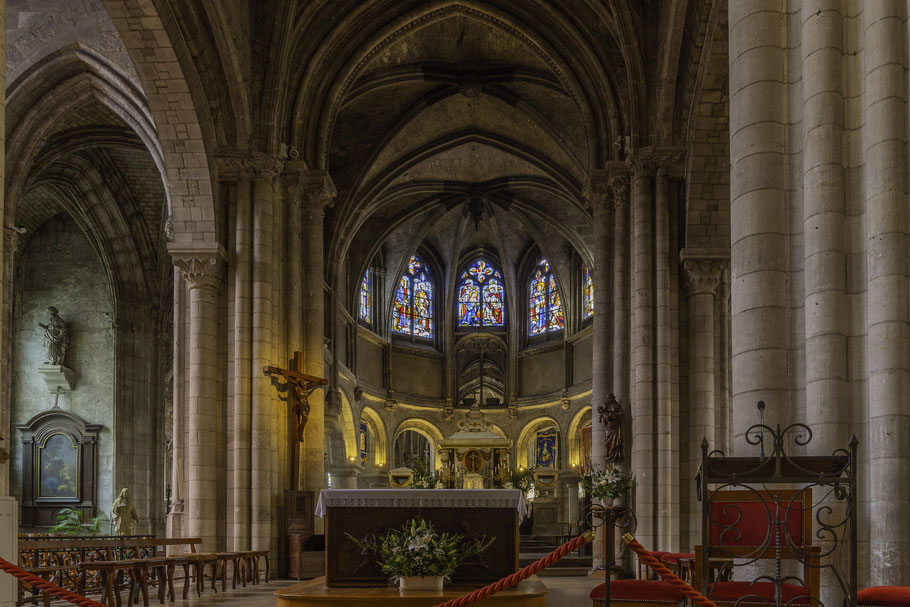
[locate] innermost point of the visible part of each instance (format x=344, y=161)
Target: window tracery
x=414, y=301
x=544, y=302
x=481, y=296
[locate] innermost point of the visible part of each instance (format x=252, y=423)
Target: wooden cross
x=298, y=386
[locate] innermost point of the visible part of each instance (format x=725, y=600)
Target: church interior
x=254, y=250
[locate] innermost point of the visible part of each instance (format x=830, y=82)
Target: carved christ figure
x=56, y=338
x=611, y=416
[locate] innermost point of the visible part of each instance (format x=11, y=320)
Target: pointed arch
x=378, y=435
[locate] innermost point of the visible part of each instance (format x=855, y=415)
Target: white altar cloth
x=423, y=498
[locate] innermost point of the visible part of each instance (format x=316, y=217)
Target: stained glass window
x=481, y=296
x=366, y=297
x=588, y=294
x=544, y=303
x=414, y=301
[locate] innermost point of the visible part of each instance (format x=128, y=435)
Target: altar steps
x=533, y=548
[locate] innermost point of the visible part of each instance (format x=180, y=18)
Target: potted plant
x=520, y=479
x=611, y=482
x=424, y=478
x=417, y=556
x=69, y=522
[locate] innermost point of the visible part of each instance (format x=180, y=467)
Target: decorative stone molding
x=702, y=275
x=169, y=229
x=320, y=190
x=200, y=267
x=597, y=191
x=649, y=160
x=12, y=240
x=264, y=166
x=620, y=186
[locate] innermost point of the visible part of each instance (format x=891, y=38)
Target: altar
x=495, y=513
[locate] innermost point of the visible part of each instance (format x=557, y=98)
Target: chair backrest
x=752, y=523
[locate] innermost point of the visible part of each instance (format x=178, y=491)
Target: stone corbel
x=12, y=241
x=201, y=266
x=702, y=274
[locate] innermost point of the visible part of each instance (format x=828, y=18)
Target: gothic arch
x=579, y=421
x=524, y=437
x=379, y=434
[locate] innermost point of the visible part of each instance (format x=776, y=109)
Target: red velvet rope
x=651, y=561
x=508, y=582
x=45, y=586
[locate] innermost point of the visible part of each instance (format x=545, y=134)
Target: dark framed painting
x=58, y=468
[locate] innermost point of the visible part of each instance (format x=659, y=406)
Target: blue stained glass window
x=414, y=301
x=544, y=303
x=366, y=297
x=481, y=296
x=588, y=294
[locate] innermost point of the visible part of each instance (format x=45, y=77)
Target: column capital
x=11, y=240
x=649, y=160
x=597, y=191
x=200, y=266
x=701, y=276
x=254, y=165
x=308, y=188
x=620, y=187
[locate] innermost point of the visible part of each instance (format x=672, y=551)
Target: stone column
x=175, y=519
x=598, y=195
x=202, y=268
x=7, y=266
x=319, y=192
x=265, y=171
x=823, y=228
x=642, y=349
x=886, y=237
x=758, y=184
x=620, y=294
x=701, y=277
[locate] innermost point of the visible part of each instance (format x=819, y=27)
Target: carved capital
x=320, y=190
x=649, y=160
x=200, y=267
x=620, y=186
x=264, y=166
x=642, y=162
x=702, y=275
x=597, y=191
x=11, y=241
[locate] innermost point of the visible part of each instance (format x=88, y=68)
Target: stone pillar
x=620, y=292
x=264, y=398
x=886, y=237
x=701, y=277
x=202, y=269
x=598, y=195
x=758, y=185
x=319, y=192
x=7, y=266
x=175, y=519
x=642, y=350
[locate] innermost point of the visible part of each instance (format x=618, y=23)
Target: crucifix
x=298, y=386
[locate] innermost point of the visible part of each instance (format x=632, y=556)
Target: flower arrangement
x=419, y=550
x=520, y=479
x=610, y=482
x=424, y=478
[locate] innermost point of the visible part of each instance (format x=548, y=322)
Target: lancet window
x=366, y=297
x=414, y=301
x=481, y=296
x=545, y=305
x=587, y=294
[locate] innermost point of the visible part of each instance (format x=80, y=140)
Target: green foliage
x=423, y=476
x=610, y=482
x=418, y=550
x=69, y=522
x=520, y=479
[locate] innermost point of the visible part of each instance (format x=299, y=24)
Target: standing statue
x=56, y=338
x=123, y=513
x=611, y=416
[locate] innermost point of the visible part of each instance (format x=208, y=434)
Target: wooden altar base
x=314, y=593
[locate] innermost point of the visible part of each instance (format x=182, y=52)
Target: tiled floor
x=563, y=592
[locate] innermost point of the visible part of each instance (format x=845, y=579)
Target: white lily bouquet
x=418, y=550
x=610, y=482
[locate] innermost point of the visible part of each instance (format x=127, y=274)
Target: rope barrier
x=45, y=586
x=533, y=568
x=651, y=561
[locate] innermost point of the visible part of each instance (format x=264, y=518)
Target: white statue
x=124, y=514
x=56, y=338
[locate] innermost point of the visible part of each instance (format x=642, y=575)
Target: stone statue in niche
x=611, y=416
x=123, y=513
x=56, y=338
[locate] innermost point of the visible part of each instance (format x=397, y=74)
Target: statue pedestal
x=57, y=378
x=9, y=547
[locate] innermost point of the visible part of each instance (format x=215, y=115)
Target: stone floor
x=563, y=592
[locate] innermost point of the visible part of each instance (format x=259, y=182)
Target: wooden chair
x=740, y=525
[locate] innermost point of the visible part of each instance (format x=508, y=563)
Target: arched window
x=544, y=303
x=414, y=301
x=366, y=297
x=481, y=296
x=587, y=294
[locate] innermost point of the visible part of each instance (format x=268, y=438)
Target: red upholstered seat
x=732, y=591
x=640, y=590
x=885, y=596
x=672, y=558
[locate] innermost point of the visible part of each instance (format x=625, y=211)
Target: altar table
x=470, y=512
x=315, y=593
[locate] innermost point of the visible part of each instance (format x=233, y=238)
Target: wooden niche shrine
x=59, y=466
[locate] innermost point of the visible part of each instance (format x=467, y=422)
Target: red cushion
x=639, y=590
x=672, y=558
x=887, y=596
x=747, y=523
x=732, y=591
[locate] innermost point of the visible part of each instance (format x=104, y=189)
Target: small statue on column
x=56, y=338
x=611, y=416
